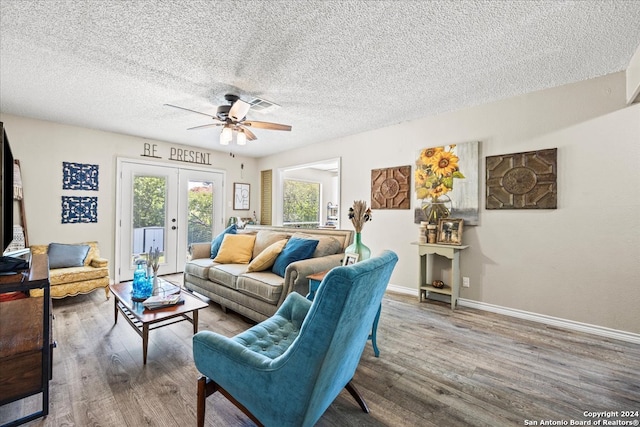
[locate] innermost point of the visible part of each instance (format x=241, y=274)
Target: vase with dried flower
x=153, y=260
x=359, y=214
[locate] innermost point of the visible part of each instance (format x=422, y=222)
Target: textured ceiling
x=335, y=67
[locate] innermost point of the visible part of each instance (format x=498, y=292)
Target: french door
x=164, y=208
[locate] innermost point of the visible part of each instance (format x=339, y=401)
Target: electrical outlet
x=465, y=282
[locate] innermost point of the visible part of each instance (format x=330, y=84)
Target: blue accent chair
x=287, y=370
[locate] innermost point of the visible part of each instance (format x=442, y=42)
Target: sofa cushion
x=327, y=245
x=236, y=249
x=263, y=285
x=226, y=274
x=267, y=257
x=76, y=274
x=63, y=256
x=296, y=249
x=266, y=238
x=199, y=267
x=217, y=241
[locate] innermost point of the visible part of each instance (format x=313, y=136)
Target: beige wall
x=41, y=148
x=579, y=262
x=633, y=78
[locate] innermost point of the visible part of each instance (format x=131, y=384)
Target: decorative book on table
x=159, y=301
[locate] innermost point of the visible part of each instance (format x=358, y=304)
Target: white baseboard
x=535, y=317
x=553, y=321
x=402, y=290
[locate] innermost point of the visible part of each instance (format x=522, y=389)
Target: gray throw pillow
x=327, y=245
x=63, y=256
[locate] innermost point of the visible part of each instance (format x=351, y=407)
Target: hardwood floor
x=436, y=368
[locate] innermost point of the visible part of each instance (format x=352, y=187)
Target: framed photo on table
x=241, y=193
x=449, y=231
x=350, y=258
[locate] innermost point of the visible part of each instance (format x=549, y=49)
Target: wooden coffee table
x=143, y=320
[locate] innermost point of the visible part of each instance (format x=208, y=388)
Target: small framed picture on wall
x=241, y=193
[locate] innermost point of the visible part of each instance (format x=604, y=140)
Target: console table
x=427, y=252
x=25, y=338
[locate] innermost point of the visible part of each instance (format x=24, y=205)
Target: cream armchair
x=92, y=274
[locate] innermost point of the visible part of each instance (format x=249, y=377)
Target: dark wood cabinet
x=26, y=342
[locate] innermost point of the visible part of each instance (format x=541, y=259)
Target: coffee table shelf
x=143, y=320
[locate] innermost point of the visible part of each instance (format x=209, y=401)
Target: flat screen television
x=6, y=190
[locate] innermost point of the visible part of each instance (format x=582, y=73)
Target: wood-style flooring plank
x=437, y=367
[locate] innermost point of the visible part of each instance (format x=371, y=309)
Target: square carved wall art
x=79, y=176
x=522, y=180
x=390, y=188
x=78, y=209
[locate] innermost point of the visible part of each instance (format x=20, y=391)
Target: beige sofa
x=71, y=281
x=257, y=295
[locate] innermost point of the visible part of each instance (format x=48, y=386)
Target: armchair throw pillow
x=63, y=256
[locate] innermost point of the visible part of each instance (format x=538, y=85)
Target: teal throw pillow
x=217, y=241
x=63, y=256
x=296, y=249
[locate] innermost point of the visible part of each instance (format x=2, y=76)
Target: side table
x=427, y=251
x=314, y=283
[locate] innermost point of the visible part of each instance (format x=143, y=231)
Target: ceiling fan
x=232, y=118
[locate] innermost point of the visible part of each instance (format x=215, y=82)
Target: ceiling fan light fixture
x=226, y=136
x=241, y=138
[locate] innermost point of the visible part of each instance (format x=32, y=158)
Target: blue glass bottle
x=141, y=288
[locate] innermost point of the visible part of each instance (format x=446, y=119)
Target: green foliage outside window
x=200, y=227
x=301, y=203
x=149, y=210
x=149, y=196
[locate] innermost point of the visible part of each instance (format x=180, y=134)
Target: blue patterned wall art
x=79, y=176
x=77, y=209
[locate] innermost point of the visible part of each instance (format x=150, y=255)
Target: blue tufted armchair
x=287, y=370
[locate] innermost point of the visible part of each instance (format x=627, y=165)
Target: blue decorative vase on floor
x=359, y=248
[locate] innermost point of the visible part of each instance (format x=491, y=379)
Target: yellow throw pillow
x=267, y=257
x=236, y=249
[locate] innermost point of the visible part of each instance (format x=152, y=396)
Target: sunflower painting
x=448, y=172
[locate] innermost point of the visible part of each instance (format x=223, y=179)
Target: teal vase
x=359, y=248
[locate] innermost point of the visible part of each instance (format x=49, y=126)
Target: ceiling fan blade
x=267, y=125
x=250, y=135
x=186, y=109
x=205, y=126
x=239, y=110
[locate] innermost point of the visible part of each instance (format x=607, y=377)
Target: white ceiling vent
x=263, y=106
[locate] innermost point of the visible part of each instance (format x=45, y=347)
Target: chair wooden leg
x=353, y=391
x=201, y=401
x=206, y=388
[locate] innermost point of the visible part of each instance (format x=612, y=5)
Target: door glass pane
x=200, y=215
x=149, y=215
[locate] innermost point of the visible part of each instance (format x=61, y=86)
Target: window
x=301, y=204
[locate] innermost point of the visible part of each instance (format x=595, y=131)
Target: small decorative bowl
x=438, y=284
